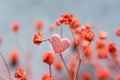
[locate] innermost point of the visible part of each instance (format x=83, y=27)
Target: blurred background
x=105, y=13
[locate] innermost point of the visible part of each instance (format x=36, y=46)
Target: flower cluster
x=38, y=38
x=48, y=58
x=84, y=48
x=20, y=74
x=68, y=19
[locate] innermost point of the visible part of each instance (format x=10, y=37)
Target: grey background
x=106, y=13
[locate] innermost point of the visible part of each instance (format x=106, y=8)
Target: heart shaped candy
x=59, y=45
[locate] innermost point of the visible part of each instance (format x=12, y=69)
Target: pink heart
x=59, y=45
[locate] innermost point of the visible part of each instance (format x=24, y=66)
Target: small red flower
x=89, y=35
x=74, y=23
x=38, y=38
x=39, y=25
x=89, y=52
x=58, y=65
x=102, y=34
x=84, y=44
x=88, y=26
x=78, y=31
x=14, y=55
x=112, y=49
x=20, y=74
x=58, y=23
x=103, y=74
x=47, y=77
x=52, y=27
x=102, y=52
x=83, y=28
x=66, y=18
x=48, y=58
x=15, y=27
x=86, y=76
x=100, y=43
x=118, y=32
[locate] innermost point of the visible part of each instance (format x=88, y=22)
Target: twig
x=6, y=65
x=84, y=51
x=50, y=70
x=65, y=65
x=61, y=31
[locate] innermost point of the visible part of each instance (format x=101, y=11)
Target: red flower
x=14, y=55
x=100, y=43
x=118, y=32
x=88, y=26
x=78, y=31
x=52, y=27
x=89, y=52
x=48, y=58
x=102, y=52
x=58, y=23
x=47, y=77
x=66, y=18
x=74, y=23
x=103, y=73
x=86, y=76
x=112, y=49
x=20, y=74
x=58, y=65
x=38, y=38
x=39, y=25
x=15, y=27
x=89, y=35
x=103, y=34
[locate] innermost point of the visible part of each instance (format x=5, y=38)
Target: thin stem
x=49, y=65
x=83, y=52
x=116, y=64
x=50, y=70
x=77, y=46
x=6, y=65
x=28, y=60
x=30, y=72
x=78, y=52
x=75, y=78
x=65, y=64
x=61, y=31
x=46, y=40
